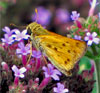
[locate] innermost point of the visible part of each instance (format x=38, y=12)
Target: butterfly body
x=62, y=51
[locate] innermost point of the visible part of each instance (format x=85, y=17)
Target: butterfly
x=63, y=52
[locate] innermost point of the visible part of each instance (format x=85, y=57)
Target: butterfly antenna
x=36, y=11
x=17, y=26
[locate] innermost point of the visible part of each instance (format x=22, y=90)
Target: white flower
x=19, y=72
x=91, y=38
x=20, y=35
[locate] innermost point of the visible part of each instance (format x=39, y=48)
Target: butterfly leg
x=30, y=52
x=44, y=59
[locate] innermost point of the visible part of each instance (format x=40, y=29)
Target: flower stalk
x=97, y=69
x=44, y=83
x=24, y=59
x=16, y=81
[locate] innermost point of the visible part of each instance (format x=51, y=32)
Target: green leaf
x=84, y=64
x=89, y=54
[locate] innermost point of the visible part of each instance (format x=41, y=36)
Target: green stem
x=97, y=68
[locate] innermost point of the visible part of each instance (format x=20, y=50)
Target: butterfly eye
x=29, y=31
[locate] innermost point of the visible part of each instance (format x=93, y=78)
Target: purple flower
x=36, y=54
x=7, y=39
x=60, y=88
x=62, y=15
x=91, y=38
x=43, y=17
x=7, y=30
x=20, y=35
x=23, y=50
x=77, y=37
x=75, y=15
x=51, y=72
x=18, y=72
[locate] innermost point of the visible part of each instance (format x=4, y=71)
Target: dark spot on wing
x=65, y=62
x=69, y=51
x=63, y=44
x=49, y=46
x=68, y=59
x=55, y=48
x=67, y=42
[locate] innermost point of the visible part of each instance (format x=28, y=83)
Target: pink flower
x=7, y=39
x=60, y=88
x=75, y=15
x=18, y=72
x=91, y=38
x=51, y=72
x=7, y=30
x=36, y=54
x=23, y=50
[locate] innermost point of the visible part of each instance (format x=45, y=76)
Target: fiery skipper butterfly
x=62, y=51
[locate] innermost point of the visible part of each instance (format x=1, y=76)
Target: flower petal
x=50, y=66
x=65, y=90
x=56, y=72
x=18, y=51
x=24, y=32
x=21, y=45
x=96, y=40
x=88, y=33
x=61, y=86
x=55, y=77
x=86, y=38
x=15, y=69
x=21, y=75
x=94, y=34
x=46, y=74
x=16, y=31
x=55, y=89
x=6, y=29
x=44, y=68
x=22, y=70
x=90, y=42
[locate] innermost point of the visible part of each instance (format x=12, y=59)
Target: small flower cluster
x=13, y=35
x=88, y=30
x=13, y=44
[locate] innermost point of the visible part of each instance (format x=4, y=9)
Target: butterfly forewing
x=63, y=52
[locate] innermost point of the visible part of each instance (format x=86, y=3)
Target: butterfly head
x=36, y=29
